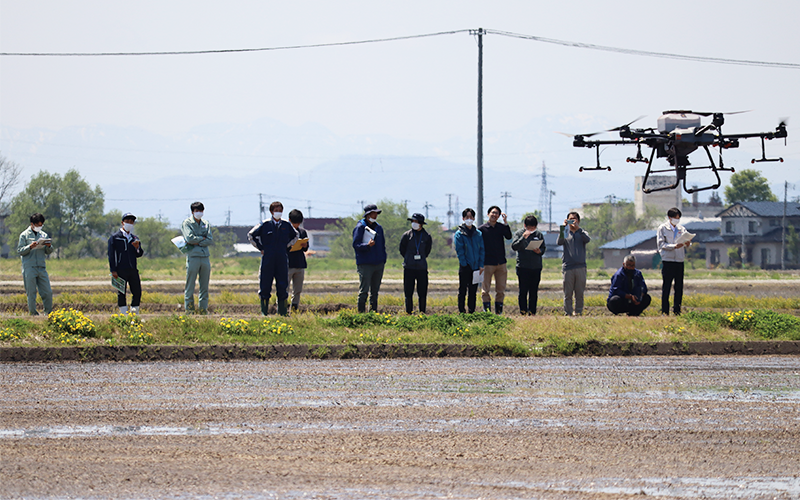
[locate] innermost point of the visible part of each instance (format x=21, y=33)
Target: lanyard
x=418, y=241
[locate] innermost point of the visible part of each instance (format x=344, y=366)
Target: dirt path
x=593, y=428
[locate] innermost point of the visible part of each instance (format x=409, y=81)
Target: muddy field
x=499, y=428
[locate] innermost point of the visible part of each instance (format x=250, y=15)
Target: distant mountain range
x=227, y=166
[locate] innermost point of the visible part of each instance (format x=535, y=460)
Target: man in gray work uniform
x=34, y=245
x=574, y=239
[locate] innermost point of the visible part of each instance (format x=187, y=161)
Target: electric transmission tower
x=449, y=210
x=544, y=195
x=506, y=195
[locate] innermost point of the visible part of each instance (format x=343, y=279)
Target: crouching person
x=628, y=293
x=124, y=248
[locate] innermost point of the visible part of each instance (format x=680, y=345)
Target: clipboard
x=369, y=235
x=119, y=284
x=684, y=238
x=534, y=244
x=298, y=245
x=477, y=277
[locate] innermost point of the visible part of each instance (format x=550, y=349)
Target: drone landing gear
x=639, y=156
x=680, y=175
x=597, y=167
x=764, y=155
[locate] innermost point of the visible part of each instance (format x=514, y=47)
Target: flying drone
x=679, y=133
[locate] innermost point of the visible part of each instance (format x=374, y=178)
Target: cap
x=417, y=218
x=128, y=215
x=371, y=208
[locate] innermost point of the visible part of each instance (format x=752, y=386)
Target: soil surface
x=500, y=428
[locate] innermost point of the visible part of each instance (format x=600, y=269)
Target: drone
x=679, y=133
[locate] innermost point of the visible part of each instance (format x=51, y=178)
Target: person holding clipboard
x=468, y=242
x=672, y=239
x=370, y=246
x=529, y=245
x=34, y=245
x=124, y=248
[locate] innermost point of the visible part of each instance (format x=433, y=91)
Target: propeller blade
x=784, y=121
x=615, y=129
x=582, y=135
x=707, y=113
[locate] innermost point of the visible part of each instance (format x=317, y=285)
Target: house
x=642, y=244
x=753, y=229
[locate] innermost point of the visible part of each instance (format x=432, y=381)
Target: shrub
x=71, y=322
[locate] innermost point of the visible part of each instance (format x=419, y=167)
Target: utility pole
x=449, y=210
x=405, y=205
x=480, y=32
x=550, y=208
x=544, y=193
x=262, y=209
x=506, y=195
x=426, y=206
x=308, y=208
x=783, y=224
x=228, y=217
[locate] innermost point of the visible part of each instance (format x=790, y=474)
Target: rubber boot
x=295, y=307
x=123, y=309
x=409, y=306
x=423, y=305
x=487, y=307
x=134, y=309
x=282, y=309
x=265, y=307
x=498, y=308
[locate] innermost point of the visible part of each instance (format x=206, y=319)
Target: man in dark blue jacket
x=273, y=238
x=124, y=248
x=628, y=293
x=370, y=246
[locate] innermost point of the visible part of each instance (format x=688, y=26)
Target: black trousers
x=466, y=290
x=671, y=272
x=621, y=305
x=420, y=278
x=528, y=289
x=135, y=284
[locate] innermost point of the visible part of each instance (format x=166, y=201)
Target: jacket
x=32, y=257
x=197, y=232
x=414, y=243
x=665, y=242
x=469, y=247
x=621, y=285
x=273, y=238
x=121, y=253
x=574, y=247
x=297, y=259
x=528, y=259
x=366, y=254
x=494, y=242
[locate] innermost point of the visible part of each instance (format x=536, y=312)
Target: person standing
x=494, y=233
x=197, y=233
x=573, y=268
x=124, y=248
x=672, y=256
x=628, y=292
x=529, y=263
x=273, y=238
x=468, y=243
x=415, y=246
x=297, y=259
x=34, y=244
x=370, y=246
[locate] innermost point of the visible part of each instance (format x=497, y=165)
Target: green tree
x=613, y=220
x=72, y=209
x=394, y=220
x=748, y=185
x=156, y=237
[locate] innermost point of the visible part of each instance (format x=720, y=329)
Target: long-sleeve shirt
x=528, y=259
x=198, y=237
x=622, y=284
x=365, y=254
x=469, y=247
x=415, y=246
x=121, y=252
x=574, y=247
x=273, y=238
x=665, y=242
x=32, y=257
x=494, y=242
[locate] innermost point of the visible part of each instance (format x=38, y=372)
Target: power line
x=555, y=41
x=230, y=51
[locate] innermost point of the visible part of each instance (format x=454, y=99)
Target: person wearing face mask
x=415, y=246
x=273, y=238
x=33, y=246
x=628, y=292
x=471, y=253
x=672, y=256
x=124, y=248
x=370, y=246
x=495, y=231
x=197, y=233
x=529, y=263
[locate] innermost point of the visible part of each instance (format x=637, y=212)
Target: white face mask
x=674, y=222
x=373, y=220
x=127, y=226
x=414, y=226
x=469, y=222
x=36, y=229
x=277, y=215
x=198, y=215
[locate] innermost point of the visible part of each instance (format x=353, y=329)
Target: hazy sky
x=422, y=89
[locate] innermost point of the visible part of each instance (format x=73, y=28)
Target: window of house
x=774, y=222
x=766, y=257
x=714, y=257
x=729, y=227
x=752, y=226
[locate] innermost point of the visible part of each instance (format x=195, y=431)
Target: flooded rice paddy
x=494, y=428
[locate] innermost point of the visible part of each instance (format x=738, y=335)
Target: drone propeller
x=784, y=121
x=704, y=113
x=615, y=129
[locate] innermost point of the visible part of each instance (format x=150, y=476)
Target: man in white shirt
x=672, y=256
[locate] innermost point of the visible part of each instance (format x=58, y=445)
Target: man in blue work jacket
x=273, y=238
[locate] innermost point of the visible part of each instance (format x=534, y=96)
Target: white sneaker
x=134, y=309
